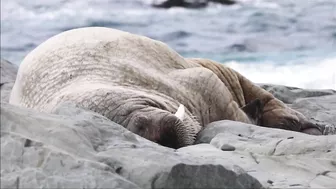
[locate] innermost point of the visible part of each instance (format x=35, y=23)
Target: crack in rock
x=276, y=145
x=254, y=158
x=324, y=173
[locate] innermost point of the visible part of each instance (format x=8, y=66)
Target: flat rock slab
x=322, y=109
x=74, y=148
x=277, y=158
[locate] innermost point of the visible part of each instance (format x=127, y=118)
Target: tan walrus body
x=139, y=83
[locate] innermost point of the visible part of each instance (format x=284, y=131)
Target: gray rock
x=322, y=109
x=190, y=3
x=277, y=158
x=290, y=94
x=75, y=148
x=8, y=76
x=228, y=147
x=194, y=177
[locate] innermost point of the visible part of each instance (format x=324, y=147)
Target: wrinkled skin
x=140, y=83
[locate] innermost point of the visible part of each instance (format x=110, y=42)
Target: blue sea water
x=289, y=42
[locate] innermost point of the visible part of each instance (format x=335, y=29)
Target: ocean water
x=289, y=42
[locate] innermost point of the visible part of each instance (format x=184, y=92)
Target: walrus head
x=167, y=129
x=286, y=118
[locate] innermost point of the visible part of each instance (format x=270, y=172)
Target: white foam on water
x=312, y=75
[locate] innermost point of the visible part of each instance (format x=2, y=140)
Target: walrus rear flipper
x=254, y=111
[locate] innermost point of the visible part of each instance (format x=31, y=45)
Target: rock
x=322, y=109
x=193, y=177
x=8, y=76
x=285, y=158
x=224, y=2
x=228, y=147
x=75, y=148
x=182, y=3
x=190, y=3
x=290, y=94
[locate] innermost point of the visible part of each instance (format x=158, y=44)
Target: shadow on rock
x=193, y=176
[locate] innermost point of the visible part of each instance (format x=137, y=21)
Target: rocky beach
x=73, y=148
x=286, y=47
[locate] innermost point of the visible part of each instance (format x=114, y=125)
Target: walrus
x=145, y=86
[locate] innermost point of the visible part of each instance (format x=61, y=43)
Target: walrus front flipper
x=254, y=111
x=312, y=128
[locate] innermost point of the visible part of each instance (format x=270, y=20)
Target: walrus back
x=85, y=56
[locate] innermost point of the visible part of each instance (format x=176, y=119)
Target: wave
x=308, y=75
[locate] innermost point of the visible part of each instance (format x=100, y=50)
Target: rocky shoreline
x=75, y=148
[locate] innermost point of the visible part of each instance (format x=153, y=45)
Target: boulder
x=8, y=76
x=75, y=148
x=277, y=158
x=190, y=3
x=290, y=94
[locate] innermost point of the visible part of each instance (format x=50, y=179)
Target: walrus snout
x=161, y=126
x=169, y=132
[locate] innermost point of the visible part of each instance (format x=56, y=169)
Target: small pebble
x=227, y=147
x=118, y=170
x=269, y=182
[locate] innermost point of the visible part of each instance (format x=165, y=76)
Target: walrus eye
x=290, y=123
x=180, y=112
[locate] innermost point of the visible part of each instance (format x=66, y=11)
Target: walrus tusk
x=180, y=112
